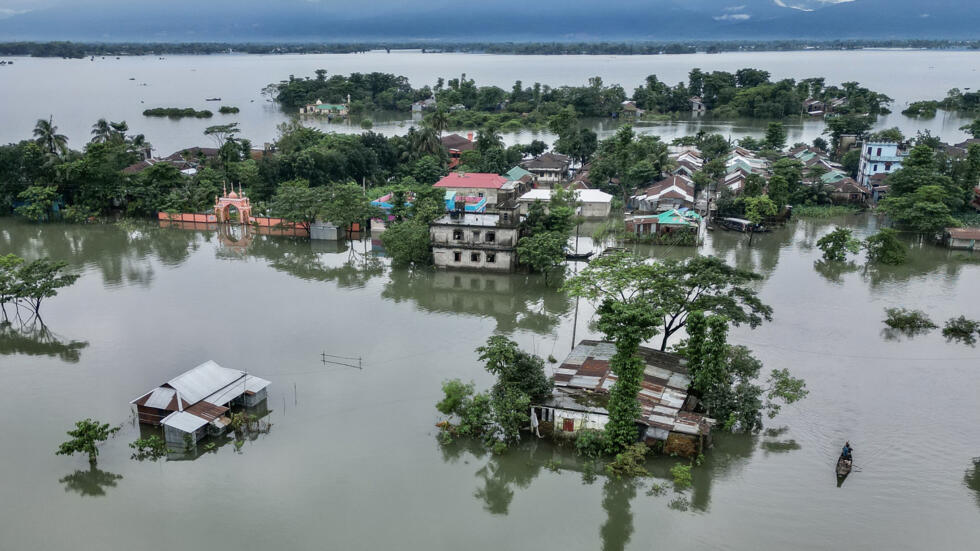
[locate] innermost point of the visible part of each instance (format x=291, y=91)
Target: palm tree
x=138, y=144
x=119, y=130
x=101, y=131
x=439, y=121
x=47, y=137
x=426, y=142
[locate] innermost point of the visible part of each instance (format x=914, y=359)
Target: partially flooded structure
x=194, y=404
x=581, y=393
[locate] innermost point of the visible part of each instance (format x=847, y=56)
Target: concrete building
x=474, y=184
x=549, y=168
x=592, y=202
x=879, y=158
x=476, y=241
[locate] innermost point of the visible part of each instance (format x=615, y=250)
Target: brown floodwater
x=351, y=460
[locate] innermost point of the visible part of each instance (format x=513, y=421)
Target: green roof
x=517, y=173
x=674, y=217
x=805, y=155
x=833, y=177
x=332, y=106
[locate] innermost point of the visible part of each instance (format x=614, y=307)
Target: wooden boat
x=212, y=99
x=843, y=467
x=578, y=256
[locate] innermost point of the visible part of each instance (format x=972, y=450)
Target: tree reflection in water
x=834, y=271
x=618, y=528
x=35, y=339
x=972, y=479
x=91, y=483
x=318, y=260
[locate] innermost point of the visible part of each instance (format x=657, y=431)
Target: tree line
x=68, y=49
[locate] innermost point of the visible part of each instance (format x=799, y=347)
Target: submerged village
x=657, y=374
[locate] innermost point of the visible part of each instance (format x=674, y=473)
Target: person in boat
x=846, y=451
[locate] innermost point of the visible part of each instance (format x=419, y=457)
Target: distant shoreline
x=78, y=50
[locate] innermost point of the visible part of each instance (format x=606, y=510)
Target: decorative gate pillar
x=238, y=200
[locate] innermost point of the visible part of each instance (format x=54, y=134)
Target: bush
x=227, y=110
x=177, y=112
x=629, y=462
x=152, y=447
x=591, y=443
x=682, y=476
x=908, y=321
x=962, y=329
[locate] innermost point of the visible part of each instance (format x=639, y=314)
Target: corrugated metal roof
x=181, y=420
x=160, y=398
x=663, y=390
x=205, y=379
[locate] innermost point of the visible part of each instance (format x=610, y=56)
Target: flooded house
x=673, y=192
x=963, y=238
x=581, y=393
x=195, y=403
x=592, y=203
x=549, y=169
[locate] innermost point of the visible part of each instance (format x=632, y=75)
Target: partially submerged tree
x=885, y=247
x=86, y=437
x=836, y=244
x=29, y=283
x=908, y=322
x=297, y=202
x=962, y=329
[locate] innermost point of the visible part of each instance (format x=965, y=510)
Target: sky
x=491, y=20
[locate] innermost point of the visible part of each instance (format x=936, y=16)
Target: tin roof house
x=583, y=382
x=193, y=404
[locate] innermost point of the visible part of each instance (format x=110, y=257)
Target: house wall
x=969, y=244
x=589, y=210
x=489, y=193
x=872, y=162
x=255, y=399
x=150, y=416
x=580, y=420
x=446, y=257
x=474, y=236
x=175, y=437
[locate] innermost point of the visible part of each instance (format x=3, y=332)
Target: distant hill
x=489, y=20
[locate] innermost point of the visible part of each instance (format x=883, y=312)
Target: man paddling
x=846, y=451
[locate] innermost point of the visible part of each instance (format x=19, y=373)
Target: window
x=491, y=237
x=888, y=166
x=491, y=258
x=879, y=152
x=876, y=167
x=476, y=236
x=869, y=150
x=457, y=235
x=474, y=257
x=479, y=194
x=457, y=256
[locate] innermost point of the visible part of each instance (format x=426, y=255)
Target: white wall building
x=592, y=202
x=476, y=241
x=879, y=158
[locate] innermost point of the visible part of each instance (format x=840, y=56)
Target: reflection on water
x=35, y=339
x=514, y=301
x=834, y=272
x=90, y=483
x=972, y=479
x=617, y=530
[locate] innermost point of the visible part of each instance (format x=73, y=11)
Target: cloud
x=782, y=4
x=10, y=12
x=732, y=17
x=735, y=8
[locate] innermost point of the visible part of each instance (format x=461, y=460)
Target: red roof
x=472, y=180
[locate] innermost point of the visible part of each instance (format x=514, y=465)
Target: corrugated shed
x=160, y=398
x=183, y=421
x=585, y=375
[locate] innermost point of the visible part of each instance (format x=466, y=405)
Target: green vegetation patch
x=177, y=112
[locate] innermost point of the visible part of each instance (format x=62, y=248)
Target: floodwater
x=352, y=461
x=79, y=92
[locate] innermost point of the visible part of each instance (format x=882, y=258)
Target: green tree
x=346, y=204
x=408, y=242
x=778, y=191
x=515, y=368
x=775, y=136
x=38, y=202
x=295, y=201
x=885, y=247
x=758, y=209
x=836, y=244
x=544, y=252
x=621, y=285
x=706, y=284
x=85, y=438
x=47, y=136
x=41, y=279
x=973, y=128
x=923, y=210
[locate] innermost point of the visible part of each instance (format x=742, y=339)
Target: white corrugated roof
x=583, y=195
x=160, y=398
x=181, y=420
x=205, y=379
